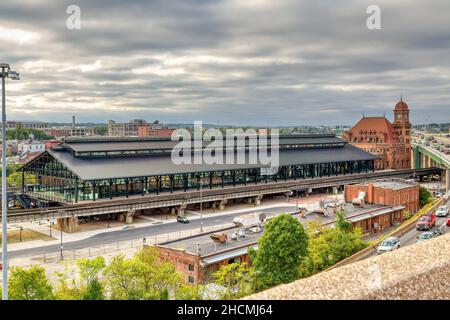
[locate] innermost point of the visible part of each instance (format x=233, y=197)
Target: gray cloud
x=231, y=62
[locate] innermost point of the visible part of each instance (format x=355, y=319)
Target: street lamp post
x=61, y=228
x=201, y=207
x=50, y=226
x=20, y=233
x=5, y=73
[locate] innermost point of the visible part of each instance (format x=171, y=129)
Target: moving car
x=426, y=222
x=426, y=235
x=389, y=244
x=442, y=211
x=182, y=219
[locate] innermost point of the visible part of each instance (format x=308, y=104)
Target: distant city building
x=137, y=128
x=62, y=132
x=73, y=131
x=390, y=141
x=26, y=124
x=51, y=143
x=125, y=129
x=158, y=132
x=31, y=146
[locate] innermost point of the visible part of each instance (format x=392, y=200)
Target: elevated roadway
x=181, y=199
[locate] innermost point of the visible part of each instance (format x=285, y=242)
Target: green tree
x=189, y=292
x=90, y=269
x=29, y=284
x=82, y=281
x=94, y=291
x=342, y=223
x=280, y=251
x=67, y=289
x=328, y=246
x=100, y=130
x=15, y=179
x=21, y=133
x=237, y=279
x=425, y=196
x=142, y=277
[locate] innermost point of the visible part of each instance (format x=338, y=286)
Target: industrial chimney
x=73, y=122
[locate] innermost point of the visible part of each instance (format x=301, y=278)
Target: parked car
x=255, y=229
x=426, y=235
x=389, y=244
x=182, y=219
x=448, y=222
x=237, y=234
x=426, y=222
x=442, y=211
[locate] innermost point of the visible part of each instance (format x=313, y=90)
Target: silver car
x=388, y=244
x=425, y=236
x=442, y=211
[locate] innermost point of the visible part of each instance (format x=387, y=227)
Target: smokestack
x=73, y=122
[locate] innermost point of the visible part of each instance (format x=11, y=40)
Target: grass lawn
x=27, y=235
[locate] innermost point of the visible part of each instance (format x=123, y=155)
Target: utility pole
x=201, y=206
x=5, y=73
x=61, y=229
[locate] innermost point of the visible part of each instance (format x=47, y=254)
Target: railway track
x=188, y=197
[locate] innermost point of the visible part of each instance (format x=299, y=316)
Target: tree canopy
x=280, y=251
x=237, y=280
x=21, y=133
x=141, y=277
x=29, y=284
x=328, y=246
x=425, y=196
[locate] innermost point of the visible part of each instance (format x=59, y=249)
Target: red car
x=448, y=222
x=426, y=222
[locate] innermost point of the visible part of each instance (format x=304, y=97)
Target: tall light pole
x=5, y=73
x=61, y=236
x=201, y=206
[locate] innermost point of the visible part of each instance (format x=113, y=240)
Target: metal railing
x=404, y=228
x=130, y=246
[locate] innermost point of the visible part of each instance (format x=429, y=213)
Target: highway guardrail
x=400, y=231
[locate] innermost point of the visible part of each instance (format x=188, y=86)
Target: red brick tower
x=402, y=131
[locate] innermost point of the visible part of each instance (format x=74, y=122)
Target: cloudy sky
x=254, y=62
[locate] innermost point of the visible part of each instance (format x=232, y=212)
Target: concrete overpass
x=426, y=157
x=126, y=208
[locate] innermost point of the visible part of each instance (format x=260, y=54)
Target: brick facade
x=390, y=141
x=407, y=196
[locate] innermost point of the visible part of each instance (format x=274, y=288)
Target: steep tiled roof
x=377, y=124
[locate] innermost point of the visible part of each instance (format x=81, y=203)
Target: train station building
x=390, y=141
x=96, y=169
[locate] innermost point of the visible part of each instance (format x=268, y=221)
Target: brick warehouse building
x=198, y=257
x=387, y=192
x=390, y=141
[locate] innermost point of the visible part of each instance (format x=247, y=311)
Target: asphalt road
x=135, y=233
x=411, y=237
